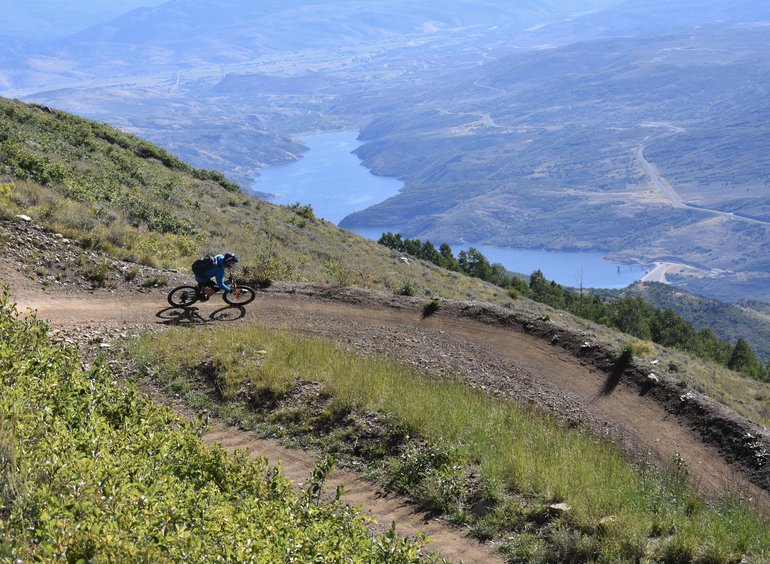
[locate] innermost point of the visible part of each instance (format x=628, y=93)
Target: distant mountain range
x=634, y=127
x=44, y=20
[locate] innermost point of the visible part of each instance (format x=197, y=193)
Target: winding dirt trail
x=492, y=358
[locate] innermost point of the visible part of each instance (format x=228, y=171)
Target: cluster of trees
x=470, y=262
x=634, y=316
x=631, y=315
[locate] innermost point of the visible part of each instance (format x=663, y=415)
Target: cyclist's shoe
x=206, y=293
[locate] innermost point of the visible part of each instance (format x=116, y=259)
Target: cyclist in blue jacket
x=213, y=278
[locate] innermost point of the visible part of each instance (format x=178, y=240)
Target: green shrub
x=6, y=188
x=305, y=212
x=625, y=358
x=430, y=474
x=642, y=348
x=267, y=267
x=154, y=281
x=341, y=273
x=431, y=307
x=527, y=548
x=408, y=288
x=131, y=273
x=96, y=273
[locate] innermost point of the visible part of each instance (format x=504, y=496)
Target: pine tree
x=743, y=359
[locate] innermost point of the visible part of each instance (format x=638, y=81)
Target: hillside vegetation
x=117, y=193
x=92, y=471
x=747, y=320
x=629, y=314
x=544, y=492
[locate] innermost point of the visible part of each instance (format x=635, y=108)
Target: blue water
x=332, y=180
x=575, y=269
x=329, y=177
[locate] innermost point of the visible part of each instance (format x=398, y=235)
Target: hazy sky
x=47, y=19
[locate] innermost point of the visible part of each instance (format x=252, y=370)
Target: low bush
x=431, y=307
x=154, y=282
x=408, y=288
x=96, y=273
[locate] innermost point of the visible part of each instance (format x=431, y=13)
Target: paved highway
x=668, y=191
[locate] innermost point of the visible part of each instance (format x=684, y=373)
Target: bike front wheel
x=241, y=295
x=183, y=296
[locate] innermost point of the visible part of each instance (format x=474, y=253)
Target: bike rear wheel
x=242, y=295
x=183, y=296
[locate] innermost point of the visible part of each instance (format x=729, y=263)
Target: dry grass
x=623, y=512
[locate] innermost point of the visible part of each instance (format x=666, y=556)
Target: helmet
x=230, y=257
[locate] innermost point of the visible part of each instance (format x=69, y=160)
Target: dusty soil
x=531, y=360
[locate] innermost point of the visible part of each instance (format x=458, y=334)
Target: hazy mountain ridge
x=634, y=18
x=44, y=19
x=186, y=33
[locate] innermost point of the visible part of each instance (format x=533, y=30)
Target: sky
x=49, y=19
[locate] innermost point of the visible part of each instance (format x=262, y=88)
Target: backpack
x=201, y=265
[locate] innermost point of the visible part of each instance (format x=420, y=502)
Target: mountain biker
x=213, y=278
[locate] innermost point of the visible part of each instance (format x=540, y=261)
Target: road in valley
x=676, y=200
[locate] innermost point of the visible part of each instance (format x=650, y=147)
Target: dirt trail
x=490, y=357
x=297, y=465
x=108, y=313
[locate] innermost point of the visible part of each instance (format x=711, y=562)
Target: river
x=331, y=178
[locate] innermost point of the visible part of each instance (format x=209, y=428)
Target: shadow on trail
x=612, y=381
x=622, y=362
x=228, y=313
x=191, y=315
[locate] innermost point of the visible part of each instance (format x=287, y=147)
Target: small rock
x=559, y=509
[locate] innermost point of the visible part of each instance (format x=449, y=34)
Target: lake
x=331, y=178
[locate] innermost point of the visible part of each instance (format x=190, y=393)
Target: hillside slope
x=122, y=195
x=728, y=321
x=511, y=353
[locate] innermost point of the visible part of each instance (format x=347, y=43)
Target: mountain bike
x=186, y=295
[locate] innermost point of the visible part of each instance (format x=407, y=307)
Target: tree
x=449, y=260
x=537, y=284
x=743, y=359
x=391, y=240
x=477, y=265
x=671, y=330
x=500, y=276
x=429, y=253
x=632, y=315
x=707, y=345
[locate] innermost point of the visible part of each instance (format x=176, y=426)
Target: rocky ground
x=521, y=356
